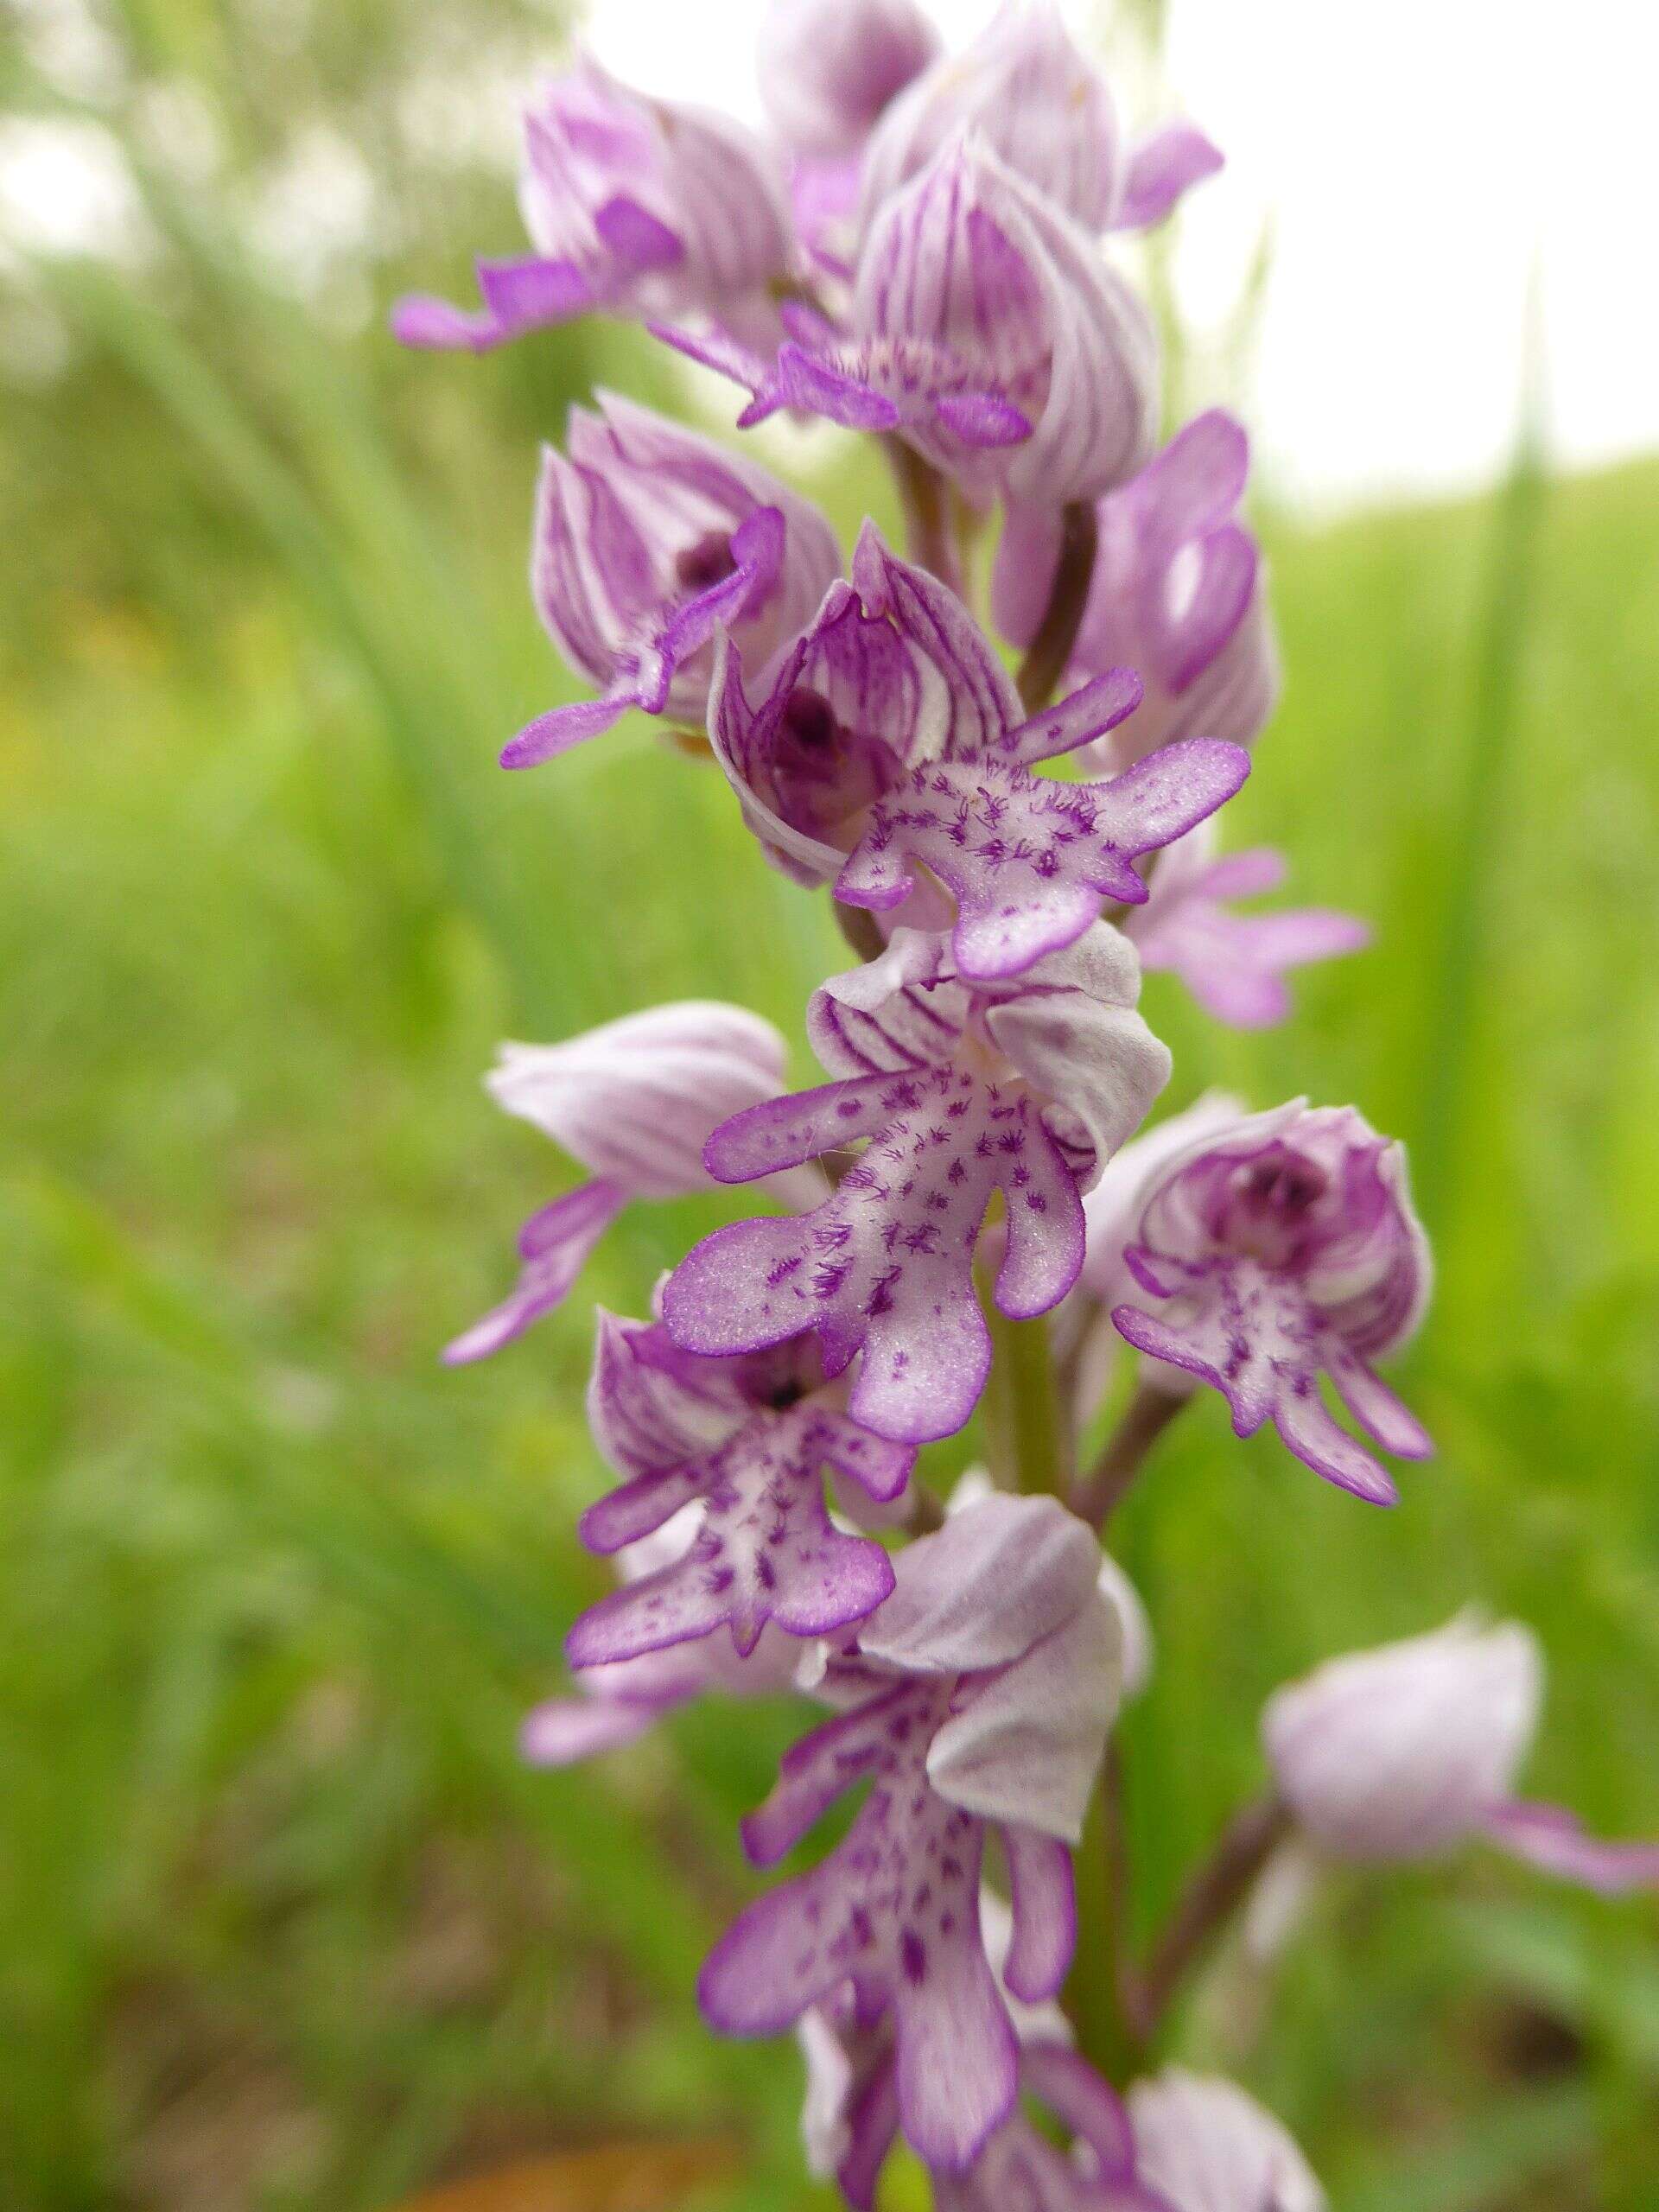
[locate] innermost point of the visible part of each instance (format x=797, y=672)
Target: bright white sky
x=1420, y=163
x=1416, y=161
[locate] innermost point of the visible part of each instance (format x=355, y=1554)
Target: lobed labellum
x=885, y=1265
x=894, y=1910
x=1254, y=1336
x=766, y=1550
x=1028, y=858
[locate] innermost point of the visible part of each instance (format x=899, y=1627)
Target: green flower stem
x=1027, y=1436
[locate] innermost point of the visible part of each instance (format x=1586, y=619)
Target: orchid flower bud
x=647, y=538
x=1024, y=87
x=1405, y=1751
x=632, y=1101
x=636, y=207
x=1176, y=594
x=985, y=327
x=830, y=68
x=1282, y=1249
x=979, y=1695
x=1206, y=2146
x=1041, y=105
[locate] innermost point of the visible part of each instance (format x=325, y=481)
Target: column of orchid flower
x=919, y=255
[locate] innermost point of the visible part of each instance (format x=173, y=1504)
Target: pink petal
x=1550, y=1837
x=554, y=1244
x=1045, y=1914
x=765, y=1549
x=1164, y=164
x=567, y=1730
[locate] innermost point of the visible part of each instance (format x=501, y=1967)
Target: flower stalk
x=1102, y=1490
x=1049, y=654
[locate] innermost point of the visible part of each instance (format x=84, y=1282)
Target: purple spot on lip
x=913, y=1956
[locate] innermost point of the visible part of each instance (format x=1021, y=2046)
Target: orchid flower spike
x=1049, y=114
x=1277, y=1251
x=636, y=207
x=965, y=1092
x=748, y=1438
x=620, y=1701
x=1410, y=1750
x=1176, y=594
x=633, y=1102
x=647, y=538
x=985, y=327
x=1201, y=2145
x=1233, y=965
x=892, y=756
x=978, y=1696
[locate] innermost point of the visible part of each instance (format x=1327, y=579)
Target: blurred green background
x=284, y=1922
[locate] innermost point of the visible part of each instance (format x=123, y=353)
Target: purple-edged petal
x=647, y=665
x=970, y=264
x=1211, y=612
x=634, y=1099
x=651, y=1406
x=1176, y=593
x=1164, y=164
x=885, y=1266
x=1089, y=2107
x=766, y=1550
x=518, y=295
x=1030, y=860
x=896, y=1907
x=1045, y=1914
x=958, y=2062
x=647, y=537
x=1088, y=714
x=1550, y=1837
x=872, y=2119
x=553, y=1245
x=1254, y=1338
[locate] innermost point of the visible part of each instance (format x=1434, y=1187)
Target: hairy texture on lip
x=1030, y=860
x=884, y=1267
x=647, y=538
x=747, y=1441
